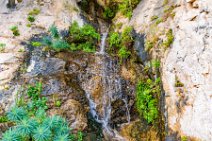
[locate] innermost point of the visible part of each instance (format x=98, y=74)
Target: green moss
x=165, y=2
x=154, y=18
x=29, y=25
x=184, y=138
x=36, y=44
x=58, y=103
x=149, y=45
x=34, y=12
x=158, y=21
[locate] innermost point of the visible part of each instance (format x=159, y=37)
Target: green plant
x=158, y=21
x=37, y=125
x=54, y=31
x=184, y=138
x=58, y=103
x=127, y=35
x=15, y=30
x=3, y=119
x=83, y=38
x=155, y=63
x=34, y=12
x=169, y=39
x=36, y=44
x=59, y=45
x=2, y=47
x=154, y=18
x=123, y=53
x=108, y=13
x=46, y=41
x=178, y=83
x=149, y=45
x=146, y=104
x=31, y=18
x=29, y=25
x=114, y=39
x=165, y=2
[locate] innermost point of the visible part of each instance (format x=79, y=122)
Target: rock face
x=189, y=59
x=189, y=106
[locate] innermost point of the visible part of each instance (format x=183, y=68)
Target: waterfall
x=112, y=90
x=103, y=40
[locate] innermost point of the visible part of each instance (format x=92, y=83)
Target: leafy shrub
x=108, y=13
x=145, y=102
x=127, y=35
x=15, y=30
x=123, y=53
x=31, y=18
x=83, y=38
x=114, y=39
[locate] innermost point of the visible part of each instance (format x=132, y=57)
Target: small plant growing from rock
x=31, y=18
x=36, y=44
x=114, y=39
x=146, y=102
x=178, y=83
x=169, y=38
x=34, y=123
x=15, y=30
x=2, y=47
x=123, y=53
x=154, y=18
x=34, y=12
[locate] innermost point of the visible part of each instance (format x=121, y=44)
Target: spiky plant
x=26, y=126
x=55, y=123
x=63, y=138
x=47, y=41
x=16, y=114
x=11, y=135
x=41, y=133
x=59, y=45
x=54, y=31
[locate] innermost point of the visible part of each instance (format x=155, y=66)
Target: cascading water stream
x=112, y=90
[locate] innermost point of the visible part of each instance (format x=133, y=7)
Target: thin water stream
x=112, y=90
